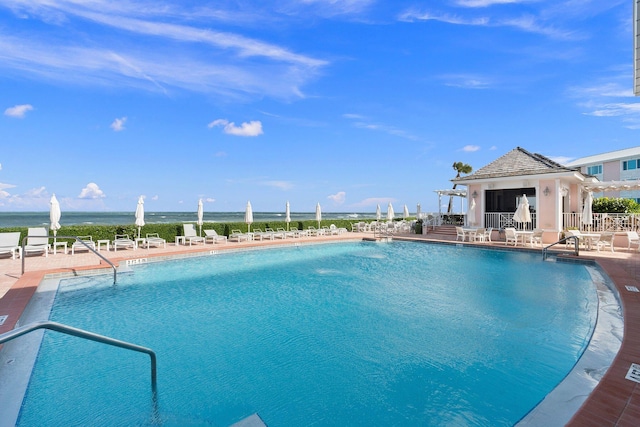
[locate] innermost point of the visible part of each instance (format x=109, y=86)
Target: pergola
x=612, y=185
x=451, y=193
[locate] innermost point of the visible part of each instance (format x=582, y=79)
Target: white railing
x=603, y=222
x=500, y=220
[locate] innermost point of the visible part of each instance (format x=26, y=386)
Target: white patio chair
x=10, y=243
x=633, y=239
x=38, y=241
x=459, y=233
x=510, y=236
x=606, y=239
x=191, y=235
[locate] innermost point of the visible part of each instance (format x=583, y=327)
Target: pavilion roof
x=517, y=162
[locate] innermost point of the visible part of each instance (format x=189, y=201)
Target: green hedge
x=171, y=230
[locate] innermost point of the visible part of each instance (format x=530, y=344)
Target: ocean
x=36, y=219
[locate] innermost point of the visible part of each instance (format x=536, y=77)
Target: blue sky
x=347, y=103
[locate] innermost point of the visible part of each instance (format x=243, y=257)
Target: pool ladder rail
x=24, y=240
x=576, y=244
x=59, y=327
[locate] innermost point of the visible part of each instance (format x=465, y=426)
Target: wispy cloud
x=525, y=23
x=466, y=81
x=91, y=191
x=252, y=128
x=18, y=111
x=282, y=185
x=118, y=124
x=174, y=47
x=363, y=122
x=609, y=98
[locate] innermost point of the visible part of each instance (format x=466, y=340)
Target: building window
x=628, y=165
x=594, y=170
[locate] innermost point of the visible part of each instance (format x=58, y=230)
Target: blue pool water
x=361, y=333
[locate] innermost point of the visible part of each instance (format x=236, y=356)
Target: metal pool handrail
x=24, y=239
x=58, y=327
x=576, y=243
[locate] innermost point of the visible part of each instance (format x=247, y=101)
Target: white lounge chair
x=37, y=241
x=123, y=241
x=298, y=233
x=191, y=235
x=258, y=234
x=214, y=237
x=633, y=239
x=480, y=235
x=487, y=234
x=10, y=243
x=154, y=239
x=86, y=243
x=239, y=236
x=312, y=231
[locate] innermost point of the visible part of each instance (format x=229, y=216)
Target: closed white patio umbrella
x=390, y=213
x=471, y=213
x=419, y=211
x=200, y=215
x=587, y=211
x=378, y=213
x=522, y=214
x=287, y=215
x=318, y=214
x=54, y=217
x=140, y=214
x=405, y=212
x=248, y=216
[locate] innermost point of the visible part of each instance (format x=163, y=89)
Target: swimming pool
x=340, y=334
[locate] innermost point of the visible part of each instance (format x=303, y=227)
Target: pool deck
x=614, y=402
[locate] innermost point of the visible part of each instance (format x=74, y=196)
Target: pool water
x=362, y=333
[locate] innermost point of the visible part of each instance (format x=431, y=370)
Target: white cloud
x=470, y=148
x=209, y=200
x=3, y=187
x=155, y=197
x=18, y=111
x=252, y=128
x=338, y=198
x=374, y=201
x=486, y=3
x=91, y=191
x=282, y=185
x=118, y=124
x=563, y=160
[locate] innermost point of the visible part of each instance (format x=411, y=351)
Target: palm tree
x=459, y=167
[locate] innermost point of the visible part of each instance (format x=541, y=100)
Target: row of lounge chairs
x=281, y=233
x=38, y=240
